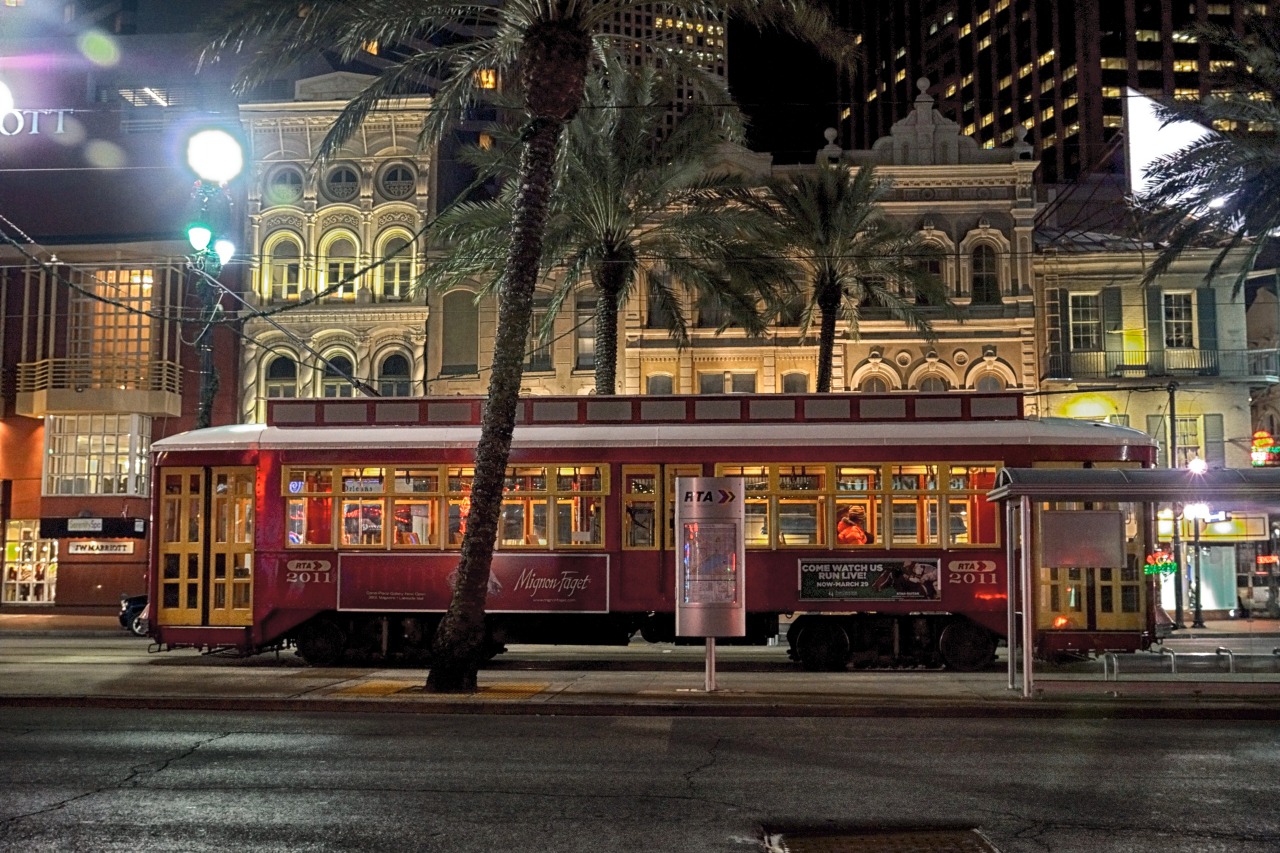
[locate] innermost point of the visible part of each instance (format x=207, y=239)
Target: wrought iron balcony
x=71, y=385
x=1257, y=365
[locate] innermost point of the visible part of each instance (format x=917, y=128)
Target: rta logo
x=722, y=496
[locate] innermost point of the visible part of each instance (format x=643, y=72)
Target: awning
x=1237, y=488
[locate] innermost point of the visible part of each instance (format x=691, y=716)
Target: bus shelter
x=1027, y=492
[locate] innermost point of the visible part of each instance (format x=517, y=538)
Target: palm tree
x=542, y=49
x=831, y=221
x=632, y=204
x=1223, y=190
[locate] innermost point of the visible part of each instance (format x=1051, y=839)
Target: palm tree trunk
x=609, y=280
x=828, y=308
x=458, y=649
x=554, y=70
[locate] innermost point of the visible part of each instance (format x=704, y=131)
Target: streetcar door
x=648, y=525
x=205, y=546
x=231, y=547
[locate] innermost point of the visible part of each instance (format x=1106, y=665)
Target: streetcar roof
x=1045, y=431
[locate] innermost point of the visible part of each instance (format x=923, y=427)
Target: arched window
x=795, y=383
x=990, y=382
x=933, y=385
x=282, y=378
x=397, y=181
x=986, y=276
x=397, y=270
x=461, y=330
x=393, y=377
x=874, y=385
x=285, y=271
x=338, y=373
x=340, y=269
x=658, y=383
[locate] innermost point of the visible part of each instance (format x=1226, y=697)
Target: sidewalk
x=624, y=681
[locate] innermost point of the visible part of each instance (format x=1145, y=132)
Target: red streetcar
x=336, y=526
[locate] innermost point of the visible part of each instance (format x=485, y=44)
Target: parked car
x=133, y=614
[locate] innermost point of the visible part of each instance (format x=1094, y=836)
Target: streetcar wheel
x=966, y=647
x=823, y=647
x=321, y=642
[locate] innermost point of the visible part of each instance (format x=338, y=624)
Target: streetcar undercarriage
x=816, y=642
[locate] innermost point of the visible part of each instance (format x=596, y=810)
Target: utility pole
x=1177, y=506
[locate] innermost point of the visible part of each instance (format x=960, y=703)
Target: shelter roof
x=1224, y=487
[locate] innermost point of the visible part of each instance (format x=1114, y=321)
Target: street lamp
x=216, y=157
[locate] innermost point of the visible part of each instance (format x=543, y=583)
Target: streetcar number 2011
x=308, y=571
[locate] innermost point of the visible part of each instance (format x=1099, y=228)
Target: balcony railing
x=1262, y=365
x=99, y=373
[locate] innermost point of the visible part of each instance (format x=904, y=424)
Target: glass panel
x=852, y=478
x=417, y=480
x=362, y=480
x=310, y=521
x=802, y=478
x=853, y=523
x=583, y=478
x=801, y=522
x=415, y=522
x=578, y=521
x=755, y=478
x=362, y=522
x=525, y=479
x=309, y=481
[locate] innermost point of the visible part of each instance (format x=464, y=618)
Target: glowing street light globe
x=215, y=155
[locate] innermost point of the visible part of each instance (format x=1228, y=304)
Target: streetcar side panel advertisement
x=870, y=580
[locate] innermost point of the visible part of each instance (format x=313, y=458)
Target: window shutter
x=1207, y=329
x=1215, y=442
x=1155, y=322
x=1157, y=428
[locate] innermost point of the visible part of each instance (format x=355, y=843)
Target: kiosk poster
x=873, y=580
x=710, y=563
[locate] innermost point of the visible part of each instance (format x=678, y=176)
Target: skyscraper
x=1057, y=69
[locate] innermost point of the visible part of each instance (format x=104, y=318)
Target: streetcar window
x=640, y=507
x=309, y=508
x=458, y=505
x=579, y=505
x=524, y=507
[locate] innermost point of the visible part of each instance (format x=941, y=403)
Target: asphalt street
x=107, y=780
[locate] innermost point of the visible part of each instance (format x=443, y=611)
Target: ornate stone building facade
x=331, y=310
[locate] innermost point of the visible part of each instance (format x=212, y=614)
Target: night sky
x=787, y=93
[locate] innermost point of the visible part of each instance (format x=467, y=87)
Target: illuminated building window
x=1114, y=63
x=900, y=76
x=1179, y=321
x=1221, y=64
x=487, y=78
x=1006, y=82
x=1113, y=121
x=585, y=330
x=1111, y=92
x=285, y=271
x=1047, y=57
x=1025, y=71
x=951, y=90
x=1186, y=65
x=984, y=43
x=111, y=336
x=340, y=269
x=1146, y=35
x=1086, y=322
x=103, y=454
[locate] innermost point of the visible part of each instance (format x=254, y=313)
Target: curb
x=916, y=709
